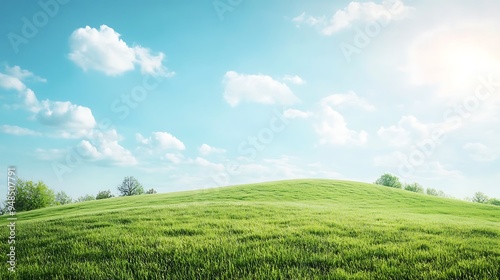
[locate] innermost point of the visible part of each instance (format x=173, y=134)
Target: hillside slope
x=300, y=229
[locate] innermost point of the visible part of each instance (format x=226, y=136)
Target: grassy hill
x=300, y=229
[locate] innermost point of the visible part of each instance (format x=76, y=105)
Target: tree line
x=31, y=195
x=393, y=181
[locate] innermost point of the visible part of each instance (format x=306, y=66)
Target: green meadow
x=298, y=229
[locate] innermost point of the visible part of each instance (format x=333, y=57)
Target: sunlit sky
x=198, y=94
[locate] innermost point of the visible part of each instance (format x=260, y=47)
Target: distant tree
x=130, y=186
x=431, y=191
x=30, y=196
x=434, y=192
x=151, y=191
x=86, y=197
x=415, y=187
x=389, y=181
x=62, y=198
x=104, y=195
x=494, y=201
x=480, y=197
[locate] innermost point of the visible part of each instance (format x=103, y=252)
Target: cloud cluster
x=67, y=120
x=104, y=147
x=356, y=12
x=103, y=50
x=63, y=119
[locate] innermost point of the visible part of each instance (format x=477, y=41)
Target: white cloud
x=294, y=80
x=366, y=12
x=104, y=147
x=103, y=50
x=11, y=82
x=161, y=141
x=30, y=101
x=356, y=12
x=296, y=114
x=256, y=88
x=205, y=150
x=480, y=152
x=332, y=129
x=22, y=74
x=89, y=150
x=69, y=119
x=348, y=99
x=16, y=130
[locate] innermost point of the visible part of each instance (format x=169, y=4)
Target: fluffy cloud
x=205, y=150
x=329, y=124
x=103, y=50
x=348, y=99
x=73, y=120
x=67, y=120
x=11, y=82
x=16, y=130
x=104, y=147
x=161, y=141
x=356, y=12
x=480, y=152
x=256, y=88
x=332, y=129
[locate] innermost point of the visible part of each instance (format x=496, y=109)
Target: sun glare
x=466, y=62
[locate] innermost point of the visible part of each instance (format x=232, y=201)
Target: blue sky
x=211, y=93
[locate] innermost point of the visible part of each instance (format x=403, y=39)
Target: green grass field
x=300, y=229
